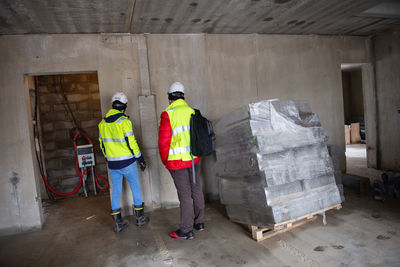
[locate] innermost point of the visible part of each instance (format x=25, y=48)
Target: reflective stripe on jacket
x=174, y=136
x=117, y=140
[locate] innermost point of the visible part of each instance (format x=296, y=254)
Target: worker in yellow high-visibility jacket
x=119, y=146
x=174, y=148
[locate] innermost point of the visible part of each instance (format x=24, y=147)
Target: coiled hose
x=105, y=187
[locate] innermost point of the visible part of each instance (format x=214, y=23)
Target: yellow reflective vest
x=179, y=114
x=117, y=140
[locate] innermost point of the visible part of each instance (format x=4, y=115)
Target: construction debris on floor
x=273, y=163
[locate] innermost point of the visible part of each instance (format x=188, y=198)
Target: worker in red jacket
x=174, y=147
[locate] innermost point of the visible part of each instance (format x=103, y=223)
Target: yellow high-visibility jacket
x=117, y=140
x=174, y=136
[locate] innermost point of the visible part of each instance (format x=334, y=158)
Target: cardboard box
x=355, y=136
x=347, y=134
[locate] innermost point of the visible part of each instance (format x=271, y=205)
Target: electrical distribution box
x=85, y=156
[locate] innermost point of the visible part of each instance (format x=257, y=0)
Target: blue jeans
x=131, y=174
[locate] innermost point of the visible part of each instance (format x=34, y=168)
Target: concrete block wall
x=82, y=94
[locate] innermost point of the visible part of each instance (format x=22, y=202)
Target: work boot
x=141, y=219
x=119, y=224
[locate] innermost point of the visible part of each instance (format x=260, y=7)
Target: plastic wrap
x=273, y=163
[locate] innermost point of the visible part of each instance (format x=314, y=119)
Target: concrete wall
x=220, y=72
x=114, y=57
x=387, y=56
x=346, y=96
x=176, y=58
x=243, y=68
x=285, y=67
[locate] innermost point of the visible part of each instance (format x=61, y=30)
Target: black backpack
x=202, y=136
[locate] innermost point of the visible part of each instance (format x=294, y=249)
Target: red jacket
x=164, y=141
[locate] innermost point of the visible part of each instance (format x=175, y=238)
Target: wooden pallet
x=260, y=233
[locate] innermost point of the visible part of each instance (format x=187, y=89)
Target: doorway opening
x=65, y=112
x=360, y=117
x=355, y=132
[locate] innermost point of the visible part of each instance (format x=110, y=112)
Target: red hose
x=79, y=173
x=62, y=194
x=104, y=180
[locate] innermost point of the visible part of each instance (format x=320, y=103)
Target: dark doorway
x=355, y=132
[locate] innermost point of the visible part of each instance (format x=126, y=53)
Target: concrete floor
x=78, y=232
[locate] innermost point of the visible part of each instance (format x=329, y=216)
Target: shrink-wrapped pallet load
x=273, y=163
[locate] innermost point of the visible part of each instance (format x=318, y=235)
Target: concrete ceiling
x=328, y=17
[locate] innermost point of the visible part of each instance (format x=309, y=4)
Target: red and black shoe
x=178, y=234
x=199, y=227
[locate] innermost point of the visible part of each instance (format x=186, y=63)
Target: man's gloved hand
x=142, y=163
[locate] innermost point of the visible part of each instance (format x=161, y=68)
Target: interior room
x=301, y=109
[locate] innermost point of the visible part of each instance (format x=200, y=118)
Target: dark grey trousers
x=190, y=197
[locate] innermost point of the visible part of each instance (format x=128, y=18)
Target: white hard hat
x=121, y=97
x=176, y=87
